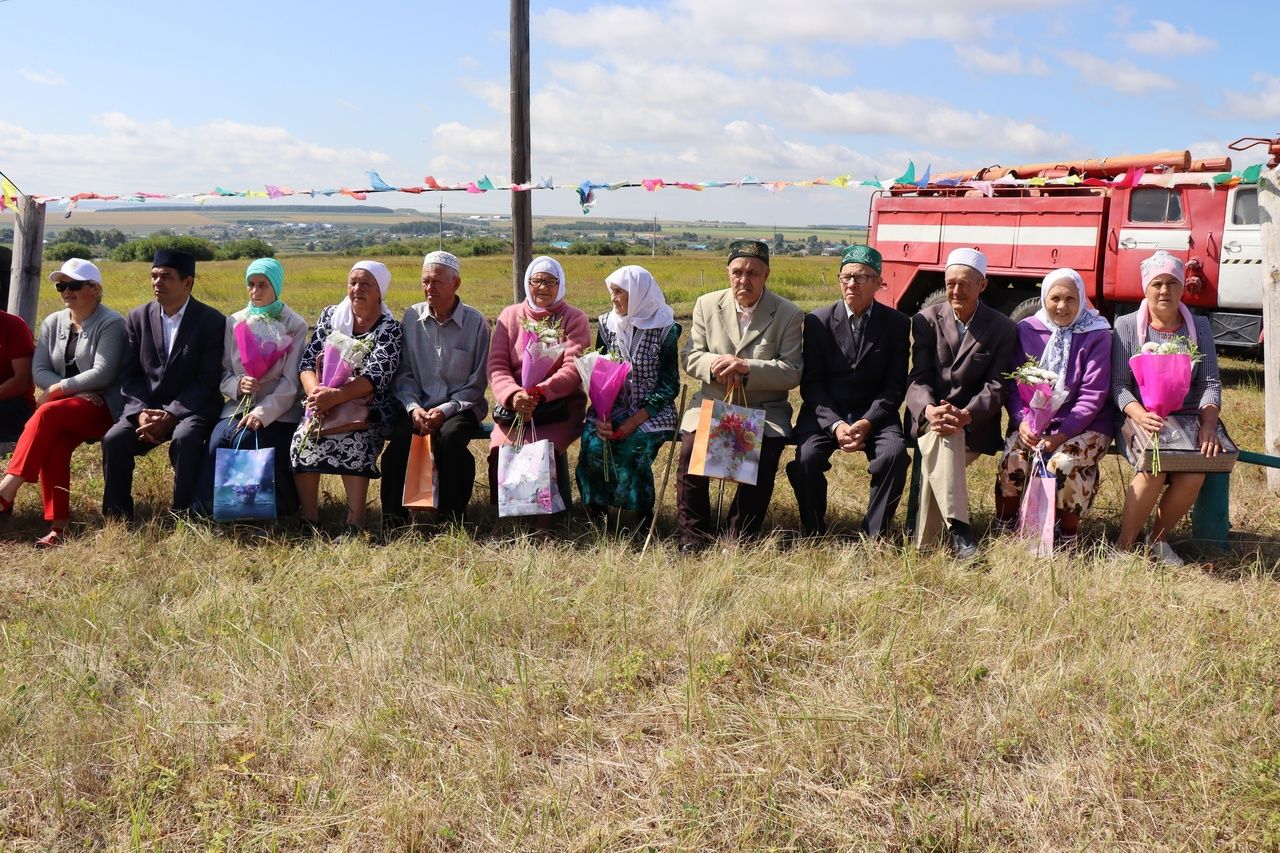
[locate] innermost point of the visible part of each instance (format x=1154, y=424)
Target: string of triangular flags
x=587, y=190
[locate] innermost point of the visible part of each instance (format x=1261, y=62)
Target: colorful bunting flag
x=587, y=196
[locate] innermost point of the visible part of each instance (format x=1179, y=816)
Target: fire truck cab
x=1101, y=228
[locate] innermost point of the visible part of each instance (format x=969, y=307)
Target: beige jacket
x=772, y=346
x=280, y=398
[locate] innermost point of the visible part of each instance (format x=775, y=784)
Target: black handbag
x=548, y=412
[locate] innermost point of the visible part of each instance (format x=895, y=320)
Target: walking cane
x=666, y=473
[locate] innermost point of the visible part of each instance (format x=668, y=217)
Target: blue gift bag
x=244, y=482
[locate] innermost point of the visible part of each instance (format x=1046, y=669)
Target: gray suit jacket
x=772, y=346
x=968, y=373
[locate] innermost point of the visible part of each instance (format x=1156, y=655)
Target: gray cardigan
x=99, y=354
x=1206, y=387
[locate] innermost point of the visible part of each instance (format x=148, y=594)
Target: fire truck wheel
x=935, y=298
x=1025, y=309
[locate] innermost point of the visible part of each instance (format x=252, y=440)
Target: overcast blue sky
x=116, y=97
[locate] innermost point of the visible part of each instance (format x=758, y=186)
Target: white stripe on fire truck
x=1032, y=235
x=1158, y=238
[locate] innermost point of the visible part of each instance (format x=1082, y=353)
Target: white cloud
x=43, y=78
x=1121, y=75
x=1011, y=63
x=124, y=155
x=1164, y=39
x=1215, y=148
x=1262, y=104
x=638, y=120
x=705, y=26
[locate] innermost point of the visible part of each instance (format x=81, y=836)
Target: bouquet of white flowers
x=1039, y=392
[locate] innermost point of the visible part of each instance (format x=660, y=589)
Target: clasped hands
x=946, y=419
x=155, y=426
x=426, y=421
x=729, y=369
x=853, y=437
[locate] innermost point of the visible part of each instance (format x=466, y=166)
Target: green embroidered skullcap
x=757, y=249
x=862, y=255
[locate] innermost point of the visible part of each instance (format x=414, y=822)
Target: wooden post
x=28, y=254
x=1269, y=223
x=521, y=171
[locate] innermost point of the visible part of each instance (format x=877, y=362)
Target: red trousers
x=44, y=450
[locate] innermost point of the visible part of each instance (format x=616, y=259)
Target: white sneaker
x=1164, y=553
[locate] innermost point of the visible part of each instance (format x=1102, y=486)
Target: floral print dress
x=353, y=453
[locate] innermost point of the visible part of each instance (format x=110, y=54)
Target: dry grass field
x=185, y=686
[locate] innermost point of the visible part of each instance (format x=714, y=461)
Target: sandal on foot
x=54, y=538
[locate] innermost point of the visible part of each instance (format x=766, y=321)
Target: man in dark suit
x=853, y=383
x=173, y=361
x=961, y=351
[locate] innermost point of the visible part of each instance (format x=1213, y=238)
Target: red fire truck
x=1101, y=227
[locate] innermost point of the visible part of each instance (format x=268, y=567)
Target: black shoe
x=692, y=546
x=963, y=545
x=817, y=531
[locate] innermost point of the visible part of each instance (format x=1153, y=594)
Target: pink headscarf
x=1163, y=263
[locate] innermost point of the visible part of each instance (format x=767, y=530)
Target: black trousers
x=750, y=503
x=455, y=467
x=14, y=414
x=121, y=447
x=887, y=463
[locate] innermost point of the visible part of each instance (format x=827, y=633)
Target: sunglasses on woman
x=72, y=285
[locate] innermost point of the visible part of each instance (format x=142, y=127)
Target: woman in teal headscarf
x=264, y=398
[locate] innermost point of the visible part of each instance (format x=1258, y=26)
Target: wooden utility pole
x=521, y=170
x=1269, y=223
x=28, y=252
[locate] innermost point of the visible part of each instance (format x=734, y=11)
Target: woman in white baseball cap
x=77, y=362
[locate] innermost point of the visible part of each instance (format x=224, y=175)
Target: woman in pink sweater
x=559, y=396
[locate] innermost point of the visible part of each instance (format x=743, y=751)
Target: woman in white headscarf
x=1068, y=337
x=641, y=330
x=349, y=450
x=554, y=404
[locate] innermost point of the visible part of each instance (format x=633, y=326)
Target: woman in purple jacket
x=1073, y=340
